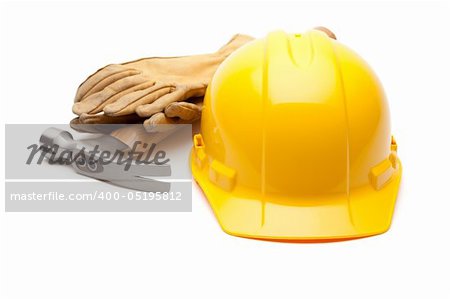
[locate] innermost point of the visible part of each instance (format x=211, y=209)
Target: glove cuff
x=235, y=42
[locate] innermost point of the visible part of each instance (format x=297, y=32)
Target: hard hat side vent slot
x=199, y=151
x=222, y=175
x=381, y=174
x=198, y=141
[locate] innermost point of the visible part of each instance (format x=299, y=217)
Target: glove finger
x=106, y=82
x=159, y=122
x=180, y=94
x=159, y=119
x=100, y=123
x=105, y=119
x=128, y=103
x=159, y=104
x=184, y=110
x=95, y=102
x=100, y=75
x=119, y=95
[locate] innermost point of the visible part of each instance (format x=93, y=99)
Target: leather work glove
x=159, y=90
x=174, y=113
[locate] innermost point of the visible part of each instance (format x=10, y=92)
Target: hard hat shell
x=295, y=142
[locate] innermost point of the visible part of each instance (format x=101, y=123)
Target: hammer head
x=53, y=136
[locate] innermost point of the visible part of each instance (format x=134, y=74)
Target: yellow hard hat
x=295, y=142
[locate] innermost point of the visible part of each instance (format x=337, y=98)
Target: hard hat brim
x=364, y=212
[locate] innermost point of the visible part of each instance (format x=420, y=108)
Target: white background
x=47, y=49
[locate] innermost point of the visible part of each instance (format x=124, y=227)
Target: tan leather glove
x=155, y=87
